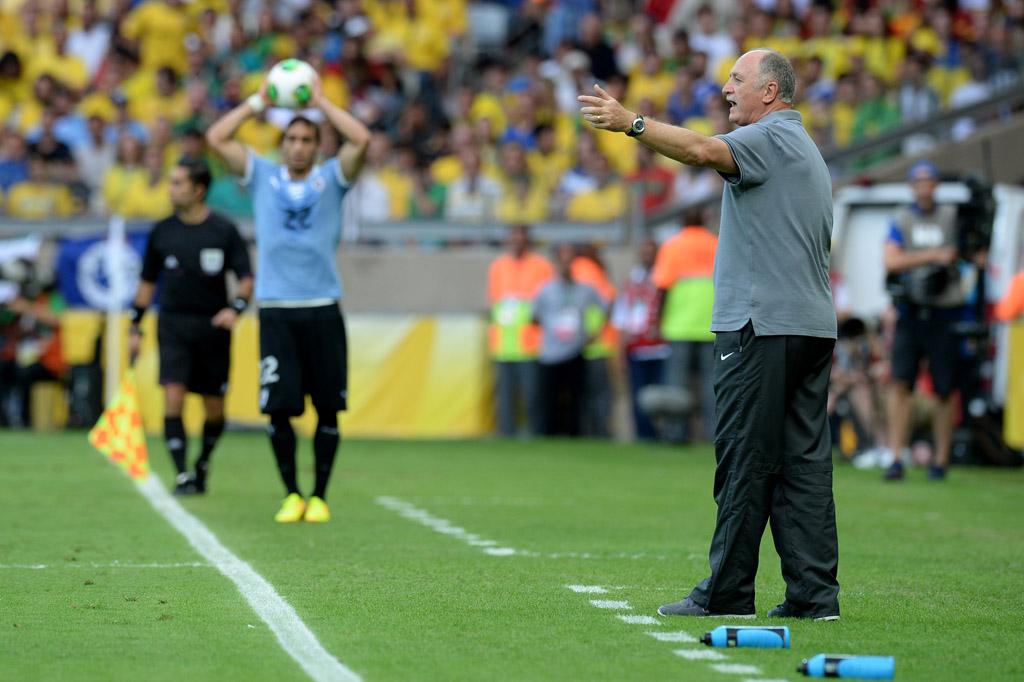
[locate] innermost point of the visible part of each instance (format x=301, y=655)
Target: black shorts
x=930, y=335
x=303, y=351
x=193, y=352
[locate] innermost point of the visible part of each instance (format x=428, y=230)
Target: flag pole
x=115, y=302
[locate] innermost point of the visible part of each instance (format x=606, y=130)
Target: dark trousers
x=644, y=373
x=561, y=389
x=774, y=462
x=515, y=391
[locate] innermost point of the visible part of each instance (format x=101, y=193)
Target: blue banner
x=83, y=272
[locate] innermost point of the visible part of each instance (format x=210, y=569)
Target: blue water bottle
x=760, y=636
x=855, y=667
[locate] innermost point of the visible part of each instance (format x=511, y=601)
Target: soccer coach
x=775, y=329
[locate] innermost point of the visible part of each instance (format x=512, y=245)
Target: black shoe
x=199, y=476
x=185, y=484
x=688, y=607
x=936, y=473
x=894, y=472
x=784, y=610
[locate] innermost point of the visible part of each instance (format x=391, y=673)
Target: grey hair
x=775, y=67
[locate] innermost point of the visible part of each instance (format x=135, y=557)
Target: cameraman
x=920, y=259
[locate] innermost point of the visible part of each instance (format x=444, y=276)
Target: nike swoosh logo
x=729, y=355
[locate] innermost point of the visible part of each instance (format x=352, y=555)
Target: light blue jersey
x=298, y=228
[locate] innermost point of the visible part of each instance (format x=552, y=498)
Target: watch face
x=639, y=125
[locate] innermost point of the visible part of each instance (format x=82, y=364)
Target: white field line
x=736, y=669
x=611, y=604
x=294, y=636
x=587, y=589
x=410, y=511
x=113, y=564
x=680, y=637
x=700, y=654
x=633, y=619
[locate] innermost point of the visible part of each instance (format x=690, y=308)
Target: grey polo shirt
x=561, y=309
x=772, y=262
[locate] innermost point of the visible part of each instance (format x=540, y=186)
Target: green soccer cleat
x=291, y=510
x=317, y=511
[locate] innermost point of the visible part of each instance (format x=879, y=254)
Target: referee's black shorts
x=193, y=352
x=303, y=351
x=927, y=333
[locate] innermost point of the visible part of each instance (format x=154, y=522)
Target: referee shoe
x=291, y=510
x=185, y=484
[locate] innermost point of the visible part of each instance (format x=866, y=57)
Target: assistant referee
x=775, y=328
x=190, y=253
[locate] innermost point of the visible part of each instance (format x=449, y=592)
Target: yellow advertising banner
x=410, y=376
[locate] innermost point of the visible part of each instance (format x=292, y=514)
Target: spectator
x=147, y=197
x=642, y=350
x=40, y=357
x=560, y=310
x=40, y=197
x=514, y=280
x=683, y=273
x=977, y=89
x=13, y=160
x=653, y=181
x=920, y=253
x=169, y=101
x=427, y=198
x=91, y=40
x=589, y=269
x=604, y=201
x=159, y=28
x=94, y=158
x=120, y=177
x=61, y=64
x=473, y=197
x=59, y=164
x=597, y=49
x=708, y=38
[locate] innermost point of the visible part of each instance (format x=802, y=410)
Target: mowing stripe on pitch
x=112, y=564
x=295, y=637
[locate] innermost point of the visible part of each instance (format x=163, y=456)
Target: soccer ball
x=290, y=84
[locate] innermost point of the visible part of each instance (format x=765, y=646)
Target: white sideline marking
x=587, y=589
x=680, y=636
x=443, y=526
x=611, y=604
x=638, y=620
x=736, y=669
x=700, y=654
x=295, y=637
x=761, y=679
x=113, y=564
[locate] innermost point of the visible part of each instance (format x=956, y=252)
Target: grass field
x=95, y=585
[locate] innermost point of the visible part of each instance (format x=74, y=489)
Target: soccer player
x=297, y=214
x=191, y=252
x=775, y=329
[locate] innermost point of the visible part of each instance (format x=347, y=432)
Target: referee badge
x=211, y=261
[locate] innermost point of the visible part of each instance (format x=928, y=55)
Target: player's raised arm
x=356, y=135
x=221, y=134
x=604, y=112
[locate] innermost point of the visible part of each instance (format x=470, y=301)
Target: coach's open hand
x=225, y=319
x=605, y=112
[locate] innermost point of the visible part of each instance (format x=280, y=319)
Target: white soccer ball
x=290, y=84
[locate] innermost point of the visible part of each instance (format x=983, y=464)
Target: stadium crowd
x=473, y=111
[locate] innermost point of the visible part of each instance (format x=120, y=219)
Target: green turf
x=931, y=573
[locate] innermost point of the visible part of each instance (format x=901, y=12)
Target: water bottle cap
x=706, y=639
x=802, y=668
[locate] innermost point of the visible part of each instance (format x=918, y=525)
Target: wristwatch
x=638, y=127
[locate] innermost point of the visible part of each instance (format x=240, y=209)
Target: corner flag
x=118, y=433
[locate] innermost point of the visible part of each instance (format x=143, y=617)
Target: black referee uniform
x=192, y=262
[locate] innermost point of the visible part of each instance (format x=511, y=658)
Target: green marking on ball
x=303, y=94
x=272, y=92
x=290, y=64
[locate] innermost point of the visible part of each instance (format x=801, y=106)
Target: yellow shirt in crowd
x=160, y=31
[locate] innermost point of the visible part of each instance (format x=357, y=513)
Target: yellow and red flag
x=118, y=434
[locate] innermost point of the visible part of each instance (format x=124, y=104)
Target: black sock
x=325, y=447
x=211, y=434
x=282, y=439
x=174, y=436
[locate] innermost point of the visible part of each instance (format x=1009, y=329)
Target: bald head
x=761, y=82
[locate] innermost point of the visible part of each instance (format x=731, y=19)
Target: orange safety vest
x=513, y=283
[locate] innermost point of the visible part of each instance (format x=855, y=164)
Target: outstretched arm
x=221, y=134
x=604, y=112
x=356, y=135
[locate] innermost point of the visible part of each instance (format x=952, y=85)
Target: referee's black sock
x=174, y=436
x=211, y=434
x=282, y=439
x=325, y=447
